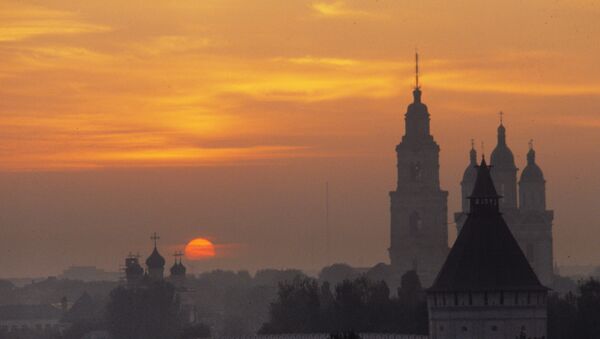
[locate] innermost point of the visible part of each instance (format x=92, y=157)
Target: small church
x=486, y=287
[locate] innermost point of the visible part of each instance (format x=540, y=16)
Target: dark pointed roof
x=485, y=255
x=484, y=185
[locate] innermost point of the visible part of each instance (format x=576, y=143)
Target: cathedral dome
x=155, y=260
x=178, y=269
x=502, y=156
x=532, y=172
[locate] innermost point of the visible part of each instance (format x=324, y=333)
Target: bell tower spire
x=417, y=70
x=417, y=90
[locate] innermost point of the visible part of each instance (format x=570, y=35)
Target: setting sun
x=199, y=249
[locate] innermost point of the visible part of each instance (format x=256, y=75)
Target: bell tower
x=419, y=231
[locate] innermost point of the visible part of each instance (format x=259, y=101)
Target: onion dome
x=502, y=156
x=155, y=260
x=471, y=170
x=532, y=172
x=178, y=269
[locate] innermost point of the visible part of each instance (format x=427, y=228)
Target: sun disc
x=199, y=249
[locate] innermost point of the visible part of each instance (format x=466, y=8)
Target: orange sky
x=95, y=93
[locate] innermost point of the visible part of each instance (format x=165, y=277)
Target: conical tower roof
x=485, y=256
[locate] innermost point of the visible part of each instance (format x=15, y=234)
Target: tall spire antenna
x=530, y=144
x=472, y=143
x=501, y=117
x=416, y=70
x=154, y=237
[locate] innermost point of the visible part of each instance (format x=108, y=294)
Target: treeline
x=575, y=315
x=304, y=305
x=150, y=311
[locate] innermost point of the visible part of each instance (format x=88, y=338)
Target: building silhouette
x=136, y=277
x=523, y=205
x=155, y=266
x=419, y=207
x=486, y=288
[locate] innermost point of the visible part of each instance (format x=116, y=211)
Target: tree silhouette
x=149, y=311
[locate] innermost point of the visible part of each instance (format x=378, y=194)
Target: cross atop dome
x=154, y=238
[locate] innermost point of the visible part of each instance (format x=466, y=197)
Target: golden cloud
x=20, y=21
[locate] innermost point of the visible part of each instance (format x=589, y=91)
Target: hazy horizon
x=225, y=119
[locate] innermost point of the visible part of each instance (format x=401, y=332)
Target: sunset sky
x=225, y=119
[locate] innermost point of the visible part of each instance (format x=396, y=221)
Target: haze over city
x=226, y=119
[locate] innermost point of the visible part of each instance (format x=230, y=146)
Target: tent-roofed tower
x=486, y=288
x=419, y=232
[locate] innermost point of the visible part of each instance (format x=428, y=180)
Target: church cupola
x=468, y=179
x=502, y=157
x=532, y=186
x=155, y=262
x=504, y=171
x=417, y=115
x=178, y=269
